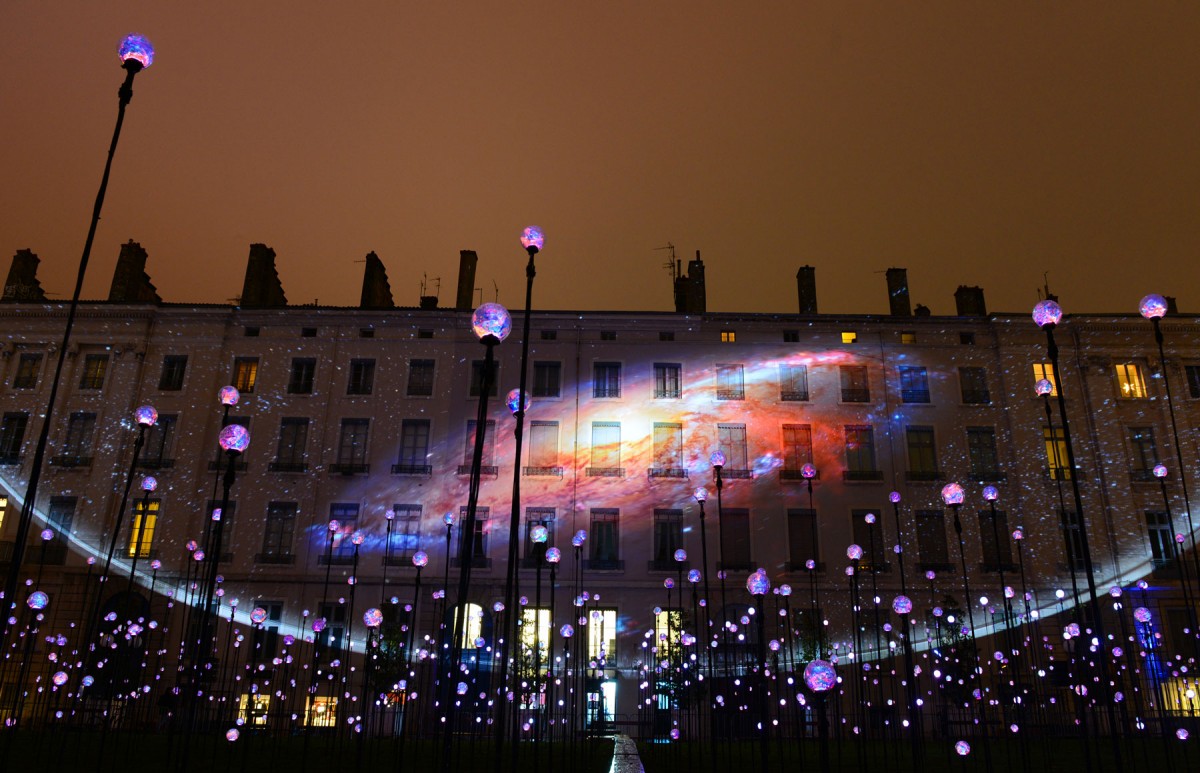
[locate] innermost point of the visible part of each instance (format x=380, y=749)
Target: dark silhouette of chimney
x=130, y=282
x=969, y=301
x=467, y=260
x=262, y=288
x=897, y=282
x=22, y=284
x=689, y=288
x=1172, y=309
x=922, y=311
x=806, y=289
x=376, y=292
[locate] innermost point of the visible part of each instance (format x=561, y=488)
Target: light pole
x=903, y=608
x=136, y=54
x=758, y=584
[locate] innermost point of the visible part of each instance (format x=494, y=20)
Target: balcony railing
x=604, y=565
x=220, y=464
x=862, y=475
x=336, y=559
x=288, y=467
x=976, y=397
x=666, y=394
x=736, y=566
x=1056, y=473
x=914, y=395
x=667, y=565
x=794, y=397
x=729, y=473
x=786, y=474
x=278, y=559
x=988, y=476
x=544, y=472
x=398, y=559
x=69, y=461
x=346, y=468
x=992, y=567
x=919, y=476
x=940, y=567
x=484, y=469
x=478, y=562
x=856, y=395
x=667, y=472
x=1142, y=476
x=412, y=469
x=606, y=472
x=156, y=464
x=731, y=394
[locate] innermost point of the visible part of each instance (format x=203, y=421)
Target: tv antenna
x=496, y=288
x=425, y=280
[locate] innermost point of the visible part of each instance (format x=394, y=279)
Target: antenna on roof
x=496, y=287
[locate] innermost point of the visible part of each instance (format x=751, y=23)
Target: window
x=94, y=368
x=405, y=532
x=330, y=639
x=1045, y=370
x=666, y=335
x=477, y=541
x=730, y=382
x=1162, y=540
x=932, y=548
x=342, y=545
x=602, y=635
x=538, y=516
x=251, y=331
x=308, y=332
x=547, y=379
x=605, y=539
x=264, y=642
x=973, y=383
x=668, y=625
x=802, y=536
x=1130, y=383
x=62, y=513
x=293, y=439
x=1074, y=540
x=793, y=383
x=606, y=450
x=668, y=383
x=543, y=449
x=914, y=384
x=908, y=337
x=173, y=369
x=477, y=374
x=12, y=437
x=1192, y=372
x=414, y=448
x=487, y=463
x=1056, y=453
x=28, y=367
x=996, y=539
x=3, y=509
x=731, y=440
x=420, y=378
x=668, y=451
x=160, y=438
x=797, y=449
x=424, y=333
x=352, y=446
x=849, y=337
x=366, y=332
x=1143, y=453
x=860, y=454
x=981, y=449
x=855, y=388
x=77, y=447
x=141, y=531
x=245, y=374
x=735, y=539
x=728, y=336
x=535, y=636
x=791, y=336
x=668, y=537
x=226, y=516
x=362, y=377
x=922, y=454
x=300, y=380
x=870, y=538
x=966, y=339
x=608, y=335
x=549, y=335
x=277, y=537
x=606, y=379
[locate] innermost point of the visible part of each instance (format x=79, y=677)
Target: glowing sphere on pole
x=258, y=615
x=60, y=678
x=373, y=618
x=234, y=438
x=539, y=534
x=228, y=395
x=491, y=320
x=680, y=555
x=758, y=583
x=553, y=555
x=138, y=49
x=820, y=676
x=952, y=494
x=1047, y=313
x=1141, y=614
x=808, y=471
x=717, y=459
x=420, y=559
x=567, y=631
x=532, y=238
x=38, y=600
x=962, y=748
x=854, y=553
x=1153, y=306
x=902, y=605
x=146, y=416
x=693, y=576
x=513, y=401
x=579, y=538
x=149, y=483
x=700, y=494
x=785, y=590
x=1043, y=387
x=1160, y=470
x=448, y=519
x=894, y=497
x=991, y=493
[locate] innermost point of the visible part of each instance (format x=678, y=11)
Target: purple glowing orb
x=854, y=553
x=758, y=583
x=952, y=494
x=820, y=676
x=700, y=494
x=1160, y=470
x=138, y=49
x=1044, y=387
x=491, y=320
x=513, y=401
x=902, y=605
x=532, y=238
x=1153, y=306
x=228, y=395
x=60, y=678
x=232, y=734
x=373, y=618
x=990, y=493
x=717, y=459
x=358, y=538
x=234, y=438
x=1047, y=313
x=539, y=534
x=146, y=416
x=258, y=615
x=962, y=748
x=1141, y=614
x=785, y=590
x=680, y=555
x=149, y=483
x=567, y=631
x=693, y=576
x=448, y=519
x=579, y=538
x=894, y=497
x=808, y=471
x=47, y=535
x=38, y=600
x=668, y=583
x=870, y=518
x=318, y=625
x=553, y=555
x=420, y=559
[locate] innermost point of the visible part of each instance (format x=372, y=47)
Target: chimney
x=897, y=282
x=922, y=311
x=1172, y=309
x=22, y=284
x=376, y=292
x=689, y=289
x=969, y=301
x=262, y=288
x=130, y=282
x=467, y=260
x=806, y=289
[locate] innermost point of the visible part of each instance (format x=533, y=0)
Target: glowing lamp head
x=758, y=583
x=234, y=439
x=785, y=590
x=870, y=518
x=149, y=483
x=1153, y=306
x=146, y=416
x=693, y=576
x=902, y=605
x=930, y=575
x=38, y=600
x=1047, y=313
x=258, y=615
x=334, y=525
x=991, y=493
x=567, y=631
x=358, y=538
x=820, y=676
x=532, y=238
x=448, y=519
x=962, y=748
x=1160, y=470
x=553, y=555
x=60, y=678
x=1018, y=534
x=952, y=494
x=47, y=535
x=539, y=534
x=579, y=538
x=156, y=564
x=228, y=395
x=1044, y=387
x=668, y=583
x=854, y=553
x=1142, y=615
x=373, y=618
x=420, y=559
x=717, y=459
x=810, y=565
x=808, y=471
x=894, y=497
x=137, y=49
x=491, y=321
x=513, y=401
x=700, y=494
x=680, y=555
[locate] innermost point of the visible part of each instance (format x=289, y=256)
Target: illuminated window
x=731, y=440
x=94, y=368
x=797, y=449
x=252, y=709
x=141, y=533
x=362, y=377
x=321, y=711
x=668, y=451
x=1045, y=370
x=606, y=450
x=728, y=336
x=245, y=374
x=543, y=449
x=472, y=625
x=1130, y=383
x=602, y=634
x=1056, y=453
x=668, y=624
x=908, y=338
x=535, y=630
x=3, y=510
x=849, y=337
x=28, y=367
